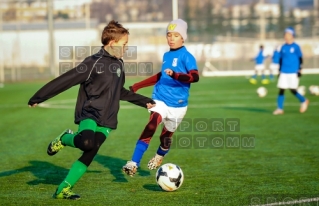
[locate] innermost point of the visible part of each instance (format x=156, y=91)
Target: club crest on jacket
x=118, y=71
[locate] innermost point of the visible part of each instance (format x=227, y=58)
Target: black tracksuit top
x=101, y=78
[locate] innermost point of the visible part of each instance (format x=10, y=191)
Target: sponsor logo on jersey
x=174, y=64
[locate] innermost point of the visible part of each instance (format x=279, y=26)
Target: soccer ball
x=302, y=90
x=314, y=90
x=262, y=91
x=169, y=177
x=311, y=89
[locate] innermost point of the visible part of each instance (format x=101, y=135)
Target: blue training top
x=259, y=59
x=290, y=55
x=173, y=92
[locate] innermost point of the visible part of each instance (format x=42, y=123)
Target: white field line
x=58, y=104
x=242, y=91
x=292, y=202
x=216, y=73
x=70, y=104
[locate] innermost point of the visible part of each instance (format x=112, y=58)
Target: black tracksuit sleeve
x=67, y=80
x=134, y=98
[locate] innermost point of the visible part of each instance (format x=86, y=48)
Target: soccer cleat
x=253, y=81
x=155, y=162
x=66, y=193
x=304, y=106
x=265, y=81
x=130, y=168
x=56, y=145
x=278, y=111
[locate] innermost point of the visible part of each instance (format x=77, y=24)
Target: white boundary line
x=58, y=104
x=216, y=73
x=242, y=91
x=291, y=202
x=63, y=104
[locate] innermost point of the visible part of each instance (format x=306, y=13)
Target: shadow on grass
x=115, y=166
x=48, y=173
x=249, y=109
x=143, y=173
x=45, y=173
x=152, y=187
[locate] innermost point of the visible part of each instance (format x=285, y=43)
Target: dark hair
x=261, y=46
x=113, y=31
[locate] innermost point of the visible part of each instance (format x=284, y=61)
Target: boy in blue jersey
x=259, y=66
x=290, y=70
x=171, y=91
x=274, y=66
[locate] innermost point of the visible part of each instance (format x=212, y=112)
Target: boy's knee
x=281, y=91
x=294, y=91
x=85, y=140
x=88, y=143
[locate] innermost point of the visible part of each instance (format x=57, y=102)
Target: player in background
x=274, y=66
x=171, y=92
x=259, y=67
x=101, y=79
x=290, y=64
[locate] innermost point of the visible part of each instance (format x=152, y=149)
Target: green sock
x=76, y=172
x=68, y=139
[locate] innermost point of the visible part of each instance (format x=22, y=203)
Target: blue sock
x=262, y=76
x=300, y=97
x=140, y=148
x=254, y=76
x=280, y=101
x=161, y=152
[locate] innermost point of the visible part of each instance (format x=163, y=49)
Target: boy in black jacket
x=101, y=78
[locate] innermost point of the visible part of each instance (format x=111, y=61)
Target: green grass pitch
x=282, y=164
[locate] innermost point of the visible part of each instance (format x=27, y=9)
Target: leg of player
x=142, y=144
x=56, y=145
x=85, y=141
x=67, y=138
x=303, y=101
x=280, y=102
x=162, y=150
x=271, y=75
x=264, y=80
x=253, y=79
x=273, y=67
x=89, y=138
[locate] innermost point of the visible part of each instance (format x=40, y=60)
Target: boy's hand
x=150, y=105
x=33, y=105
x=169, y=72
x=299, y=73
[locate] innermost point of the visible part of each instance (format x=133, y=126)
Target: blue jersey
x=276, y=56
x=173, y=92
x=259, y=59
x=290, y=55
